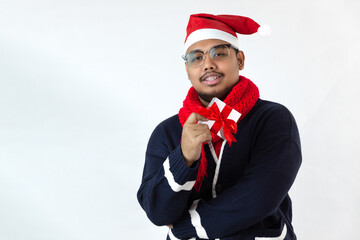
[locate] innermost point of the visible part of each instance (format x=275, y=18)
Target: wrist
x=188, y=162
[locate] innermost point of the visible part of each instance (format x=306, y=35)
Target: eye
x=218, y=54
x=197, y=57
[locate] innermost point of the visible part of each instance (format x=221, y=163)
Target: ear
x=241, y=59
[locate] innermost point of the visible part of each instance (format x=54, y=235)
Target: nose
x=209, y=63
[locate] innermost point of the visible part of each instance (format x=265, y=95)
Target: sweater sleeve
x=167, y=181
x=274, y=163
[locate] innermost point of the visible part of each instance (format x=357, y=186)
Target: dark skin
x=226, y=74
x=212, y=79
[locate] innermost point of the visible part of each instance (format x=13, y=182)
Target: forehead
x=205, y=45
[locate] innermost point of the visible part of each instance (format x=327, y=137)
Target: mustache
x=210, y=72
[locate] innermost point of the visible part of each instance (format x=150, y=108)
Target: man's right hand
x=193, y=135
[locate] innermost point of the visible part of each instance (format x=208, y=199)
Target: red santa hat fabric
x=224, y=27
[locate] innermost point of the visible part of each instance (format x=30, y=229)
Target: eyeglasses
x=196, y=58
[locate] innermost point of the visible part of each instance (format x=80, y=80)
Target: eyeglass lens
x=196, y=58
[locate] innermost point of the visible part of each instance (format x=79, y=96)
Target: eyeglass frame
x=184, y=57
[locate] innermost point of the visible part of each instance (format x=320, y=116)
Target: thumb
x=194, y=117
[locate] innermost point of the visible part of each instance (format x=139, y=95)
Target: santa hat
x=224, y=27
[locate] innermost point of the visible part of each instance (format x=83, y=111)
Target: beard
x=208, y=97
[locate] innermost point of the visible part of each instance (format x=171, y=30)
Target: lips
x=211, y=79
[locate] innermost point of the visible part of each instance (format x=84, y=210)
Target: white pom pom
x=264, y=31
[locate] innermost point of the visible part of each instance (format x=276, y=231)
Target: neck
x=204, y=102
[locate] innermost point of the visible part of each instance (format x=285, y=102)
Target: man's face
x=214, y=78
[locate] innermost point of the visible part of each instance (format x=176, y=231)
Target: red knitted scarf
x=242, y=98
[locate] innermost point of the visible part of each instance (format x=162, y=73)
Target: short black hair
x=236, y=50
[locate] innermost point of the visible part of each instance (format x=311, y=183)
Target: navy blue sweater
x=245, y=193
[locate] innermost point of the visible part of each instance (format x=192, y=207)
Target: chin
x=208, y=97
x=218, y=91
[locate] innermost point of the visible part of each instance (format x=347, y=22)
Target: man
x=193, y=180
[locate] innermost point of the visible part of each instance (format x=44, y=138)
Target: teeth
x=212, y=78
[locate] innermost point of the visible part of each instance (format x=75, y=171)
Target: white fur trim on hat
x=210, y=33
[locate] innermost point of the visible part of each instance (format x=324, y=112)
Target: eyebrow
x=196, y=50
x=199, y=50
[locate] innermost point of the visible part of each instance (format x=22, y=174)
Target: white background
x=84, y=83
